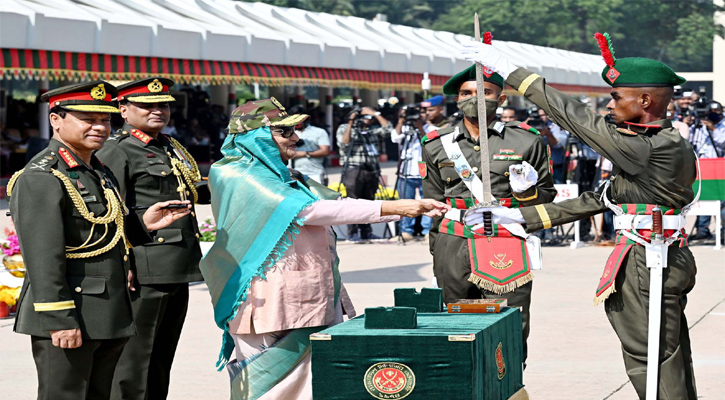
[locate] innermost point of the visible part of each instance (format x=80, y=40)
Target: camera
x=411, y=112
x=534, y=118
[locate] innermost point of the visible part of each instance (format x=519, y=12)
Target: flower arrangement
x=208, y=231
x=10, y=246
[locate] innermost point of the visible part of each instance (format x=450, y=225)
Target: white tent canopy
x=225, y=30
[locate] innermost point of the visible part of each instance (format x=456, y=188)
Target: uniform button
x=505, y=174
x=78, y=289
x=477, y=148
x=161, y=240
x=192, y=214
x=163, y=172
x=197, y=236
x=475, y=169
x=125, y=258
x=448, y=179
x=187, y=193
x=103, y=182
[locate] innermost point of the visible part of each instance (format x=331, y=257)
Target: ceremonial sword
x=656, y=257
x=487, y=200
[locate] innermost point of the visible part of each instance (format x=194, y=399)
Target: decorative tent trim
x=39, y=64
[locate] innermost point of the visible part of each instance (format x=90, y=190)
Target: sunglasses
x=286, y=131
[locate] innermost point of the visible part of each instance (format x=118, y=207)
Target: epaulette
x=528, y=127
x=42, y=162
x=119, y=135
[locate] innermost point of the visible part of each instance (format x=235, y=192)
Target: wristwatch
x=307, y=154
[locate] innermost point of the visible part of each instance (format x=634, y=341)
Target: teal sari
x=255, y=203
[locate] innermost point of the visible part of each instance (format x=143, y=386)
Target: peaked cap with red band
x=469, y=74
x=149, y=90
x=94, y=96
x=634, y=71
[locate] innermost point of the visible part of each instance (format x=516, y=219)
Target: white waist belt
x=629, y=221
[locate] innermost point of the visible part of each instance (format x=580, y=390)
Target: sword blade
x=482, y=123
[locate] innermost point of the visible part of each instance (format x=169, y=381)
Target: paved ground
x=574, y=354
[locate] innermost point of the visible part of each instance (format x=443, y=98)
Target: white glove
x=520, y=181
x=488, y=56
x=501, y=215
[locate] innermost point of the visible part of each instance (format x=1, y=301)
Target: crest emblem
x=501, y=263
x=155, y=86
x=487, y=71
x=500, y=363
x=612, y=75
x=389, y=380
x=98, y=92
x=423, y=169
x=465, y=173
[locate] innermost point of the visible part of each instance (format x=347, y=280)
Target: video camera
x=411, y=112
x=534, y=118
x=701, y=105
x=357, y=110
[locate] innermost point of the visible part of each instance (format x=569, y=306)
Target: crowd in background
x=201, y=126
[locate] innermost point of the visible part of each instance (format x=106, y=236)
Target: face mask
x=714, y=117
x=469, y=106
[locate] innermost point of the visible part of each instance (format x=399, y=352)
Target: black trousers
x=144, y=369
x=360, y=183
x=75, y=374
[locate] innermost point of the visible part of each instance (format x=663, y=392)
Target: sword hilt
x=657, y=222
x=488, y=224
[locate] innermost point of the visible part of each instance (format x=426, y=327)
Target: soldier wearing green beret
x=463, y=261
x=73, y=233
x=151, y=167
x=653, y=166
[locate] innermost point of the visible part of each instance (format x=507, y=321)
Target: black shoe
x=701, y=235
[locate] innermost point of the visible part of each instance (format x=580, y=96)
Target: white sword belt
x=637, y=222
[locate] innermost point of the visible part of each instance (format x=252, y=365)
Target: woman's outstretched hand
x=414, y=208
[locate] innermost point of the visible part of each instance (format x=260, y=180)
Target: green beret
x=640, y=72
x=469, y=74
x=635, y=71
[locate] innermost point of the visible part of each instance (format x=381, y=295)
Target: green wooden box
x=448, y=356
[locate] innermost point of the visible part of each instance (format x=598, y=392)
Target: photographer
x=312, y=149
x=360, y=143
x=408, y=133
x=707, y=137
x=553, y=136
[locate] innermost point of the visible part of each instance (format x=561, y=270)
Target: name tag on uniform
x=89, y=199
x=446, y=164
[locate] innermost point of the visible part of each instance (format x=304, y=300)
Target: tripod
x=362, y=160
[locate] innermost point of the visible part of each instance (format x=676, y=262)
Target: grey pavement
x=573, y=352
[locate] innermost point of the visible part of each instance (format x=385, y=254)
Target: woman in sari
x=273, y=270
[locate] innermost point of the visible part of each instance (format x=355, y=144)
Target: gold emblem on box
x=500, y=363
x=389, y=380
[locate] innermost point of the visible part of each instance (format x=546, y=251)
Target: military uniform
x=653, y=165
x=152, y=170
x=70, y=224
x=508, y=144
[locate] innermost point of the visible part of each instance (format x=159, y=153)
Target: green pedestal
x=448, y=356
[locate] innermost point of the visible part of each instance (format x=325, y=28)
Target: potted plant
x=208, y=235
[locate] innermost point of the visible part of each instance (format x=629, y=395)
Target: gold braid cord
x=190, y=176
x=114, y=214
x=11, y=182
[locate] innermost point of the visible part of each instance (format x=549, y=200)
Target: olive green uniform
x=451, y=262
x=164, y=266
x=61, y=293
x=652, y=165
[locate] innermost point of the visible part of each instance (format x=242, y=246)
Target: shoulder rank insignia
x=430, y=136
x=65, y=155
x=423, y=169
x=141, y=136
x=628, y=132
x=529, y=128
